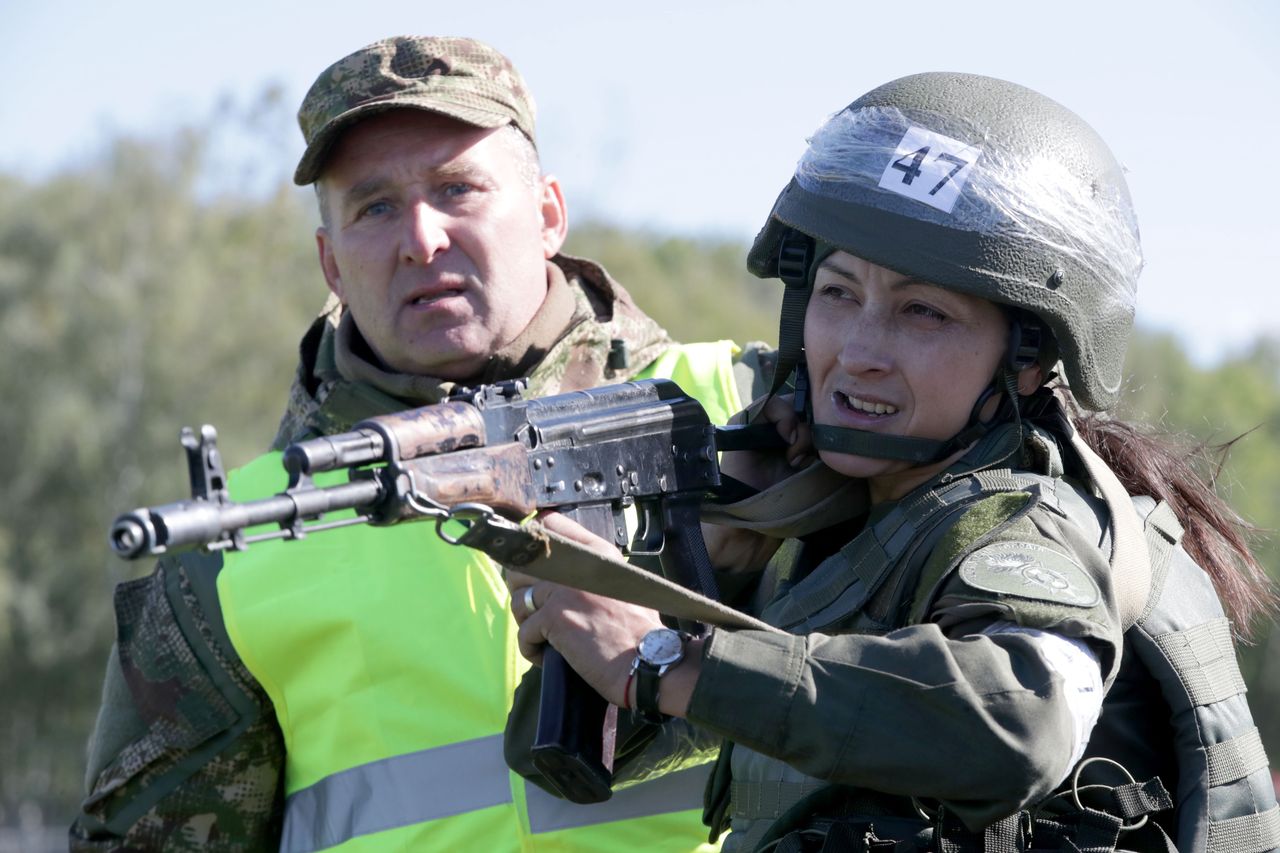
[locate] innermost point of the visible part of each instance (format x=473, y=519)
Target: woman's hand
x=737, y=550
x=597, y=635
x=762, y=469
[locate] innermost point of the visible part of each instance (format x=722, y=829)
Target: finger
x=519, y=605
x=798, y=434
x=780, y=411
x=517, y=584
x=801, y=452
x=531, y=641
x=529, y=599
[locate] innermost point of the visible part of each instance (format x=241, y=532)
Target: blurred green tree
x=697, y=289
x=1232, y=411
x=132, y=301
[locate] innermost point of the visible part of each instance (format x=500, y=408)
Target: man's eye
x=458, y=189
x=377, y=208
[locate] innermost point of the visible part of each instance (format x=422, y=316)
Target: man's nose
x=426, y=233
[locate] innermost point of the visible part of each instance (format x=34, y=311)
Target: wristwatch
x=659, y=650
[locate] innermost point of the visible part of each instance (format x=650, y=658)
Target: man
x=350, y=689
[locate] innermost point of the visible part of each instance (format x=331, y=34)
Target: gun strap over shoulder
x=812, y=499
x=537, y=551
x=819, y=497
x=1130, y=560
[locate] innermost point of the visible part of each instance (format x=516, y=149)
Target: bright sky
x=688, y=117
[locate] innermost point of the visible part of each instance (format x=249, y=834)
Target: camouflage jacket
x=187, y=753
x=599, y=337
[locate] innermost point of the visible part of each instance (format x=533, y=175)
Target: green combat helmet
x=980, y=186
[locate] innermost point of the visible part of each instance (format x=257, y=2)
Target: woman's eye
x=926, y=312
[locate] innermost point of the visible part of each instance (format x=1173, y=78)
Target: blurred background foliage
x=167, y=282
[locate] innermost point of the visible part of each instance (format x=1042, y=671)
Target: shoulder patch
x=1030, y=571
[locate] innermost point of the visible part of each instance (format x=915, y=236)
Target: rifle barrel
x=214, y=524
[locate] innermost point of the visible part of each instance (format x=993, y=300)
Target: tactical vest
x=390, y=659
x=1225, y=802
x=861, y=589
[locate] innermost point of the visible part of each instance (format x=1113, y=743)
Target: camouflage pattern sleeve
x=201, y=767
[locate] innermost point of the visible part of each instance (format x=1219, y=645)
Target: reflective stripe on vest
x=408, y=789
x=397, y=791
x=674, y=792
x=390, y=659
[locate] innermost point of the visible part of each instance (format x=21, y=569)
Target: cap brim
x=309, y=167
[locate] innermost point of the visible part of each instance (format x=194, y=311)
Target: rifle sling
x=1130, y=559
x=812, y=499
x=530, y=547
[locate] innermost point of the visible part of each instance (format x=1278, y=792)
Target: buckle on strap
x=505, y=541
x=1132, y=800
x=795, y=255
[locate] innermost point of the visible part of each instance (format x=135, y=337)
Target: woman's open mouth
x=865, y=407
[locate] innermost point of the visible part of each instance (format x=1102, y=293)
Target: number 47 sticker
x=930, y=167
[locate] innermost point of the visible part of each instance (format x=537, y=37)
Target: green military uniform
x=886, y=675
x=189, y=752
x=949, y=651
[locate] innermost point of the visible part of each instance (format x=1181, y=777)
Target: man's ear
x=555, y=216
x=328, y=264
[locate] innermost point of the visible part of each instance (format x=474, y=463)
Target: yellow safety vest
x=391, y=657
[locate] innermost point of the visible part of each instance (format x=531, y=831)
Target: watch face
x=661, y=647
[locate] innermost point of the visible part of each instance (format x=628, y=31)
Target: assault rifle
x=589, y=454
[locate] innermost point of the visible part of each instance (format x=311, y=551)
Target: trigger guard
x=650, y=538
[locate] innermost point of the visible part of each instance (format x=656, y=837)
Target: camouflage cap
x=457, y=77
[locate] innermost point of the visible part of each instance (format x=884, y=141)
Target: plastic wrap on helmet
x=1009, y=195
x=677, y=745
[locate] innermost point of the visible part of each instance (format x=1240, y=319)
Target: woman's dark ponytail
x=1183, y=473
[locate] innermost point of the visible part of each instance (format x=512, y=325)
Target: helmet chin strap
x=918, y=451
x=798, y=258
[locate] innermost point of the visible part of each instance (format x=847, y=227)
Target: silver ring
x=529, y=605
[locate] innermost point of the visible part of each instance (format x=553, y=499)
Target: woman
x=946, y=241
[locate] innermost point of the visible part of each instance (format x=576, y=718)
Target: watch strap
x=647, y=678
